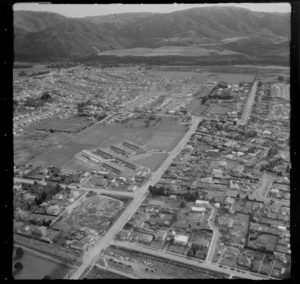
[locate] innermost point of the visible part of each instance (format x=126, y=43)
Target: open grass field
x=73, y=124
x=235, y=78
x=152, y=162
x=163, y=135
x=97, y=273
x=35, y=267
x=23, y=67
x=168, y=50
x=219, y=110
x=177, y=249
x=197, y=107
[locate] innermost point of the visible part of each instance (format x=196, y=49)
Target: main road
x=91, y=257
x=193, y=262
x=248, y=105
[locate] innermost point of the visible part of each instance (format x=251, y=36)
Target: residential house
x=181, y=240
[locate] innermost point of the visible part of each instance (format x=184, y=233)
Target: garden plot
x=96, y=212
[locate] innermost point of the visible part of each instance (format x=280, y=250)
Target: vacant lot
x=35, y=267
x=95, y=212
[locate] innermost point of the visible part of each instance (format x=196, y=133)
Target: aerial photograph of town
x=151, y=142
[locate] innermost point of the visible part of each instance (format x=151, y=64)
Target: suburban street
x=200, y=264
x=248, y=107
x=92, y=255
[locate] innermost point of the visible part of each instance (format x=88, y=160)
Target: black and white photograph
x=151, y=141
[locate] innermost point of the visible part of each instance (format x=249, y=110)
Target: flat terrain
x=153, y=161
x=35, y=267
x=73, y=124
x=168, y=50
x=218, y=110
x=34, y=69
x=95, y=212
x=97, y=273
x=165, y=269
x=163, y=135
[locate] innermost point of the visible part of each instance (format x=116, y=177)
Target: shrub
x=18, y=266
x=19, y=252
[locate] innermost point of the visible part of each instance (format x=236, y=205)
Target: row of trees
x=204, y=100
x=190, y=196
x=18, y=265
x=47, y=193
x=31, y=102
x=115, y=61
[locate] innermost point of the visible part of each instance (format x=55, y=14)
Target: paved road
x=215, y=238
x=248, y=105
x=92, y=255
x=205, y=265
x=229, y=139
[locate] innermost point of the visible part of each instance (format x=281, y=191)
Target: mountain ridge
x=49, y=36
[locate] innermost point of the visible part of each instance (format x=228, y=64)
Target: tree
x=22, y=73
x=259, y=84
x=204, y=100
x=46, y=97
x=19, y=252
x=147, y=123
x=280, y=78
x=182, y=204
x=46, y=277
x=18, y=266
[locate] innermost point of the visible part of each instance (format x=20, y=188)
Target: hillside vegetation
x=43, y=36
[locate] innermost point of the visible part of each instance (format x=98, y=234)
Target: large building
x=127, y=164
x=118, y=150
x=104, y=154
x=111, y=168
x=132, y=146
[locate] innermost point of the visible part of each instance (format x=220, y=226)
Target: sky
x=84, y=10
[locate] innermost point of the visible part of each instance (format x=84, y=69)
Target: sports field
x=218, y=110
x=35, y=267
x=163, y=135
